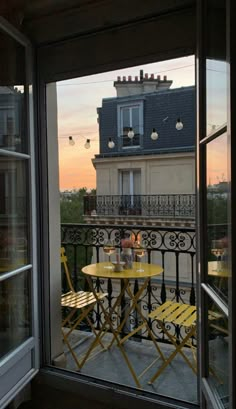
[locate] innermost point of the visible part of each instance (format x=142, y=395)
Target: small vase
x=127, y=257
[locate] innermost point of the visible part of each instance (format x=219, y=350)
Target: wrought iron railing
x=173, y=206
x=172, y=248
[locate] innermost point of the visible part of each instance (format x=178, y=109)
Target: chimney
x=146, y=83
x=164, y=84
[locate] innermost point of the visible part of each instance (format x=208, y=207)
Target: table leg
x=107, y=320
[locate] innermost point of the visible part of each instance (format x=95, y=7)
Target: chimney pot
x=159, y=78
x=136, y=78
x=165, y=78
x=152, y=76
x=118, y=78
x=129, y=78
x=146, y=76
x=124, y=78
x=141, y=75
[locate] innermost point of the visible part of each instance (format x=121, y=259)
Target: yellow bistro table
x=218, y=269
x=100, y=270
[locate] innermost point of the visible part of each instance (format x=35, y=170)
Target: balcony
x=172, y=248
x=179, y=206
x=175, y=250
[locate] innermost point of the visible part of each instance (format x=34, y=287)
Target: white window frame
x=21, y=364
x=130, y=105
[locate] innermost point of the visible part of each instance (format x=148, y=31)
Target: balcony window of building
x=130, y=188
x=130, y=117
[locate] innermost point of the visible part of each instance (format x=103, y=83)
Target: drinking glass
x=217, y=250
x=109, y=249
x=139, y=251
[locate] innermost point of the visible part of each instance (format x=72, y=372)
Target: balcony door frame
x=21, y=364
x=209, y=398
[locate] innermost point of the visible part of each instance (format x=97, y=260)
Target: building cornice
x=141, y=158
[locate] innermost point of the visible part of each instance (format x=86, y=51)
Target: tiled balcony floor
x=177, y=381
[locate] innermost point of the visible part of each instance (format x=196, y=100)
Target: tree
x=72, y=211
x=72, y=205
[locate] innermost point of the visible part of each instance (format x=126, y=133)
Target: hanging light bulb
x=111, y=144
x=131, y=133
x=179, y=125
x=87, y=144
x=71, y=141
x=154, y=135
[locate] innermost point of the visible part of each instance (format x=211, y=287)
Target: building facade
x=146, y=164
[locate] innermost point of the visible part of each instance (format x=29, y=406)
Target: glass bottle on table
x=109, y=249
x=217, y=250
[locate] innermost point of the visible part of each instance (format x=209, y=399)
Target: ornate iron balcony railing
x=173, y=248
x=170, y=206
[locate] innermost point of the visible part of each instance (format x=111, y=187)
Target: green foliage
x=217, y=209
x=72, y=205
x=72, y=211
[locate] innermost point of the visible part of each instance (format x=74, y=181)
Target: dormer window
x=130, y=117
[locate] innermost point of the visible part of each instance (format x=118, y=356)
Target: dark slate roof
x=161, y=110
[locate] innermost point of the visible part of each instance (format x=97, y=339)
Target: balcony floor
x=177, y=381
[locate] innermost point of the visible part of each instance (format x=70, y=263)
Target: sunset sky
x=78, y=100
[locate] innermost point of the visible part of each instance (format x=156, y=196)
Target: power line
x=65, y=135
x=102, y=81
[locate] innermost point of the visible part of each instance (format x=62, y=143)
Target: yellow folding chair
x=82, y=301
x=184, y=315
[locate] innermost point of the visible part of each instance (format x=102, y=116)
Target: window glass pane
x=137, y=182
x=218, y=343
x=15, y=317
x=135, y=120
x=125, y=180
x=216, y=69
x=125, y=120
x=130, y=118
x=12, y=96
x=217, y=214
x=13, y=214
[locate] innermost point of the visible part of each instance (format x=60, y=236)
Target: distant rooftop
x=142, y=84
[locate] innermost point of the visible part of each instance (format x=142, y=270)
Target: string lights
x=130, y=134
x=179, y=125
x=72, y=140
x=154, y=135
x=87, y=144
x=111, y=143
